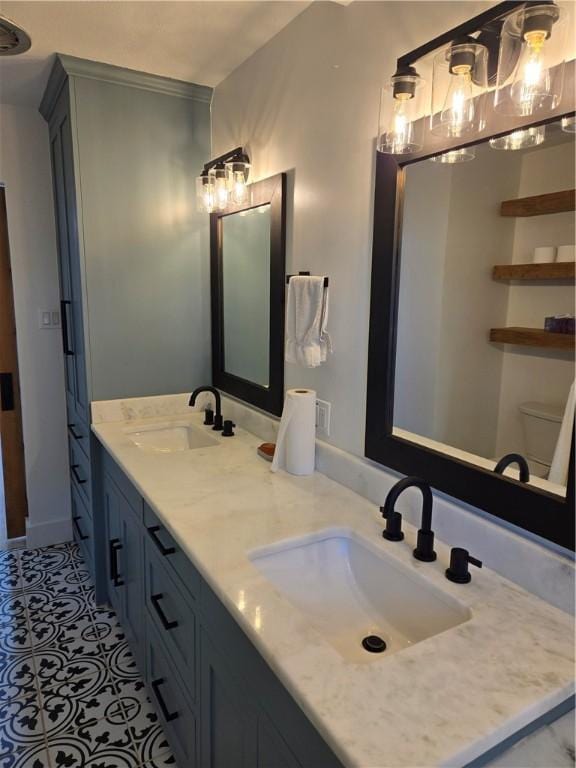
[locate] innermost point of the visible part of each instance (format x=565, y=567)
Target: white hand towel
x=307, y=340
x=561, y=461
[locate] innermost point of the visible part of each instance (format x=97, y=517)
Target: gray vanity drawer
x=80, y=471
x=170, y=701
x=82, y=527
x=79, y=432
x=172, y=614
x=175, y=560
x=124, y=485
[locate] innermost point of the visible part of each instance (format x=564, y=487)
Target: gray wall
x=145, y=247
x=308, y=102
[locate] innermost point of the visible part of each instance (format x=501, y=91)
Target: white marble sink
x=168, y=438
x=349, y=589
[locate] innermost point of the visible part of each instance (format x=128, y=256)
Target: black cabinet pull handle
x=6, y=392
x=74, y=434
x=76, y=525
x=77, y=477
x=168, y=716
x=64, y=320
x=155, y=600
x=153, y=531
x=115, y=547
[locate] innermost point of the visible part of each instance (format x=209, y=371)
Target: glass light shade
x=237, y=177
x=400, y=130
x=463, y=155
x=531, y=61
x=205, y=193
x=459, y=84
x=221, y=191
x=526, y=137
x=569, y=124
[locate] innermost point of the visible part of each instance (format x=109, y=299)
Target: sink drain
x=373, y=644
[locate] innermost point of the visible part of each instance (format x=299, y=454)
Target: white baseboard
x=46, y=534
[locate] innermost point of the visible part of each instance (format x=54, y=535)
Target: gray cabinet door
x=69, y=258
x=228, y=729
x=111, y=503
x=131, y=571
x=273, y=752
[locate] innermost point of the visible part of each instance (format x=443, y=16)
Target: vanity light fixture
x=536, y=80
x=459, y=84
x=527, y=137
x=399, y=132
x=516, y=46
x=223, y=181
x=569, y=124
x=463, y=155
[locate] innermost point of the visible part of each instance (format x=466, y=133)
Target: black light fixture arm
x=475, y=24
x=234, y=154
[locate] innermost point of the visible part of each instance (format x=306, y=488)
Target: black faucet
x=514, y=458
x=217, y=417
x=425, y=543
x=458, y=571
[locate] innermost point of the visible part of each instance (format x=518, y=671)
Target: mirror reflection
x=246, y=293
x=485, y=343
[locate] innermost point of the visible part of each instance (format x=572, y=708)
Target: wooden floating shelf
x=539, y=205
x=558, y=270
x=532, y=337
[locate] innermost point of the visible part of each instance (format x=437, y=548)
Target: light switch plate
x=323, y=418
x=48, y=319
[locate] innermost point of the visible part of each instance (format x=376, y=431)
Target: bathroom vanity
x=215, y=567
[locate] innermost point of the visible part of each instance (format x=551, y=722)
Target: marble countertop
x=440, y=702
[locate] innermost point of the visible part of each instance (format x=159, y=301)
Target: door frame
x=11, y=436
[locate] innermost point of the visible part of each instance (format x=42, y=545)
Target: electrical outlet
x=323, y=418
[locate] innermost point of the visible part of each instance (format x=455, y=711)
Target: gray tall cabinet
x=134, y=274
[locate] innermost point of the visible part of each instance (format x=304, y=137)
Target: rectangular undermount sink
x=169, y=438
x=351, y=590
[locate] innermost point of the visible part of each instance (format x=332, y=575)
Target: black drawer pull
x=168, y=716
x=64, y=320
x=76, y=525
x=155, y=600
x=115, y=547
x=153, y=531
x=77, y=477
x=74, y=434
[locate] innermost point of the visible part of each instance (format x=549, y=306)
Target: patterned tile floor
x=70, y=693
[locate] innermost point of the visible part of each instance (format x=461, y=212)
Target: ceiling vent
x=13, y=39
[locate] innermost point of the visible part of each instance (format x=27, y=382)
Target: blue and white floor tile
x=70, y=692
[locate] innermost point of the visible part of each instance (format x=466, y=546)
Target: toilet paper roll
x=296, y=441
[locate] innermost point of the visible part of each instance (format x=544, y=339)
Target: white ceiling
x=201, y=42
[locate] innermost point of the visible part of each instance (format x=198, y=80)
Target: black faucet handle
x=459, y=560
x=208, y=417
x=393, y=530
x=228, y=430
x=425, y=547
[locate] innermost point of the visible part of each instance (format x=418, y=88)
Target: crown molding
x=71, y=66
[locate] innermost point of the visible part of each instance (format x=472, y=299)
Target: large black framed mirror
x=248, y=257
x=453, y=382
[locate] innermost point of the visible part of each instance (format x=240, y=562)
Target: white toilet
x=541, y=428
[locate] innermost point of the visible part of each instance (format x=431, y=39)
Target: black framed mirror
x=248, y=257
x=452, y=382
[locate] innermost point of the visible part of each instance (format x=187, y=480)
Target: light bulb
x=534, y=81
x=220, y=187
x=205, y=192
x=400, y=136
x=458, y=113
